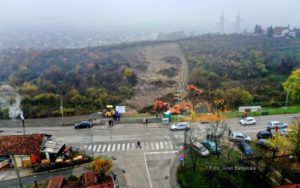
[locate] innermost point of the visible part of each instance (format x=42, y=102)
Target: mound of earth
x=164, y=69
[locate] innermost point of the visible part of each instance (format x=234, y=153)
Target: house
x=279, y=32
x=29, y=150
x=25, y=148
x=56, y=182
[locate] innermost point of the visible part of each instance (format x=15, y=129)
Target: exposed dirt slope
x=165, y=70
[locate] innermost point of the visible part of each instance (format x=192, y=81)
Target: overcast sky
x=149, y=14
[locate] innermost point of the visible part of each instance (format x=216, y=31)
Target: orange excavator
x=181, y=108
x=194, y=89
x=160, y=105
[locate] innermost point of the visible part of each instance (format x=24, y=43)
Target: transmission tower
x=222, y=23
x=237, y=22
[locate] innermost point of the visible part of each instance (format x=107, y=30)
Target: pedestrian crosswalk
x=115, y=147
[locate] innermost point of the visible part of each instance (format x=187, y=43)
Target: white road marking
x=157, y=145
x=99, y=148
x=123, y=146
x=108, y=147
x=147, y=147
x=132, y=146
x=171, y=145
x=113, y=147
x=128, y=146
x=90, y=147
x=85, y=147
x=160, y=152
x=143, y=145
x=118, y=147
x=161, y=145
x=166, y=145
x=94, y=148
x=104, y=147
x=147, y=170
x=152, y=146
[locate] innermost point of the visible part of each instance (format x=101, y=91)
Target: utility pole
x=62, y=109
x=237, y=22
x=17, y=170
x=287, y=99
x=23, y=122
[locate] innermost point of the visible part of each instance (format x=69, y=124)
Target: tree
x=292, y=86
x=270, y=31
x=294, y=137
x=217, y=130
x=257, y=29
x=103, y=166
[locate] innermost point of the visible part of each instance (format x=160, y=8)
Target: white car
x=239, y=137
x=248, y=121
x=201, y=149
x=274, y=124
x=180, y=126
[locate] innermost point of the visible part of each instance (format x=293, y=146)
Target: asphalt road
x=147, y=166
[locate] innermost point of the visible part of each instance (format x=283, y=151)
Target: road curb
x=173, y=173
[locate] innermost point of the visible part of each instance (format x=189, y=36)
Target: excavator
x=160, y=105
x=194, y=89
x=181, y=108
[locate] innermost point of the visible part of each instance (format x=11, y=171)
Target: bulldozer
x=109, y=111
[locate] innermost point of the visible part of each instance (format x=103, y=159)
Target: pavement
x=9, y=177
x=148, y=167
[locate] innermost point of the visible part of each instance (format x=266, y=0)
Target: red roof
x=56, y=182
x=107, y=183
x=21, y=144
x=89, y=178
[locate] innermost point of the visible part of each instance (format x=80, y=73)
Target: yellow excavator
x=109, y=111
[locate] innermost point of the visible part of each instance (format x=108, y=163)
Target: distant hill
x=135, y=74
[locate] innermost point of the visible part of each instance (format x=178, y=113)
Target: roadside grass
x=214, y=172
x=266, y=111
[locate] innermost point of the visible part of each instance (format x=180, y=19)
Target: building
x=279, y=32
x=29, y=150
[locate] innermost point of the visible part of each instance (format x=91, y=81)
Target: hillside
x=136, y=74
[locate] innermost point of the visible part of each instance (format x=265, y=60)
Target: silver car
x=239, y=137
x=274, y=124
x=200, y=149
x=180, y=126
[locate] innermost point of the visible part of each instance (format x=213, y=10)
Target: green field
x=269, y=111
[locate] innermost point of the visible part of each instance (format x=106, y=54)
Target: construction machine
x=181, y=108
x=194, y=89
x=160, y=106
x=109, y=111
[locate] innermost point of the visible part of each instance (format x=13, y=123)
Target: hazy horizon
x=147, y=15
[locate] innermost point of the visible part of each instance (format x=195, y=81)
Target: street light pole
x=23, y=122
x=62, y=109
x=17, y=170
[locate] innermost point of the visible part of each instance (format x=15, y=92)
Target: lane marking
x=99, y=148
x=90, y=147
x=160, y=152
x=161, y=145
x=113, y=147
x=166, y=145
x=132, y=146
x=128, y=146
x=104, y=147
x=157, y=145
x=108, y=147
x=152, y=146
x=118, y=147
x=94, y=148
x=123, y=146
x=147, y=171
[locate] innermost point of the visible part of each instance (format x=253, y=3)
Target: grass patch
x=270, y=111
x=212, y=172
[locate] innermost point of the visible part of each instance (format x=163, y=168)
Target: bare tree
x=216, y=130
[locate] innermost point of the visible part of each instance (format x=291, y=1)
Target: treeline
x=258, y=65
x=87, y=79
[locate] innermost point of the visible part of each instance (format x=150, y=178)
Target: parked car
x=274, y=124
x=180, y=126
x=248, y=121
x=83, y=124
x=239, y=137
x=266, y=144
x=211, y=145
x=264, y=134
x=284, y=132
x=245, y=148
x=200, y=149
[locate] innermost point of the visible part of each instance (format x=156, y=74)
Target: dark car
x=211, y=145
x=264, y=134
x=83, y=124
x=245, y=148
x=266, y=144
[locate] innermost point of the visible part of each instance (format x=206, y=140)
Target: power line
x=222, y=23
x=237, y=23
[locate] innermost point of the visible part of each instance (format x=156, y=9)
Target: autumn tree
x=103, y=166
x=292, y=86
x=294, y=137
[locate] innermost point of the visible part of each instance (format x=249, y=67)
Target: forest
x=90, y=78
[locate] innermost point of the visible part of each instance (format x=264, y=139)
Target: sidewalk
x=173, y=173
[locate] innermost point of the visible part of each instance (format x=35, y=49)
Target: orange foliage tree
x=102, y=166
